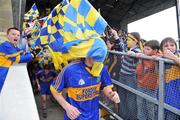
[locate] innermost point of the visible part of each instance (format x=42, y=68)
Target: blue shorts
x=45, y=88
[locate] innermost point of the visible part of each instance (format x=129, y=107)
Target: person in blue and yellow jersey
x=10, y=53
x=83, y=89
x=169, y=50
x=44, y=79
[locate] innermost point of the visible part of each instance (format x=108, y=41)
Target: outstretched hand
x=72, y=112
x=114, y=97
x=36, y=51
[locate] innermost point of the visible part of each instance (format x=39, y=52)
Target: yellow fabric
x=18, y=59
x=1, y=54
x=4, y=62
x=81, y=50
x=79, y=94
x=172, y=74
x=92, y=17
x=109, y=86
x=59, y=25
x=12, y=55
x=132, y=39
x=57, y=59
x=53, y=90
x=32, y=14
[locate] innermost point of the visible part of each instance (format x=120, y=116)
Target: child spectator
x=10, y=53
x=147, y=79
x=169, y=50
x=44, y=80
x=128, y=108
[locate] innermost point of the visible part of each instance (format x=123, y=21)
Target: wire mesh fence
x=149, y=87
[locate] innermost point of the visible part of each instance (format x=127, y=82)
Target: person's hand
x=109, y=45
x=72, y=112
x=39, y=87
x=36, y=51
x=114, y=34
x=114, y=97
x=138, y=55
x=168, y=54
x=131, y=53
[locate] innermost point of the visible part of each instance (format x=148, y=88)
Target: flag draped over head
x=73, y=30
x=32, y=14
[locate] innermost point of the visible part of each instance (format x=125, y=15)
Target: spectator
x=169, y=50
x=128, y=106
x=44, y=79
x=9, y=53
x=147, y=79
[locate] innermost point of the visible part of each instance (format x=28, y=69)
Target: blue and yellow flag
x=73, y=30
x=30, y=32
x=32, y=14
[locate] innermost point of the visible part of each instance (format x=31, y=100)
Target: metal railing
x=160, y=100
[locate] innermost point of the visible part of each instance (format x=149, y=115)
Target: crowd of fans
x=135, y=72
x=143, y=75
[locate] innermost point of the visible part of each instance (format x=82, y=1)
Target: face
x=46, y=71
x=149, y=51
x=13, y=36
x=169, y=46
x=89, y=62
x=131, y=43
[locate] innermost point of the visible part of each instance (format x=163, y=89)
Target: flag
x=31, y=27
x=32, y=14
x=73, y=30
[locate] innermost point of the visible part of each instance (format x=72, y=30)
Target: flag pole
x=99, y=10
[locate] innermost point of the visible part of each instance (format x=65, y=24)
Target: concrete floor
x=54, y=111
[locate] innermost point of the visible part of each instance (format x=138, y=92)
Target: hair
x=166, y=40
x=12, y=28
x=136, y=35
x=46, y=67
x=153, y=44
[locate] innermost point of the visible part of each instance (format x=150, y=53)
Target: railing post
x=178, y=18
x=161, y=91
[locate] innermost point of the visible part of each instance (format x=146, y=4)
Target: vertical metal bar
x=19, y=23
x=178, y=18
x=161, y=91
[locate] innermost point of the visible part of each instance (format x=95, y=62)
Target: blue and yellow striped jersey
x=82, y=89
x=172, y=84
x=9, y=54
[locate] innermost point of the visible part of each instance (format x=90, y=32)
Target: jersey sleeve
x=54, y=74
x=60, y=83
x=12, y=54
x=105, y=79
x=38, y=75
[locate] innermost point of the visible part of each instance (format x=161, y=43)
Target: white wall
x=16, y=99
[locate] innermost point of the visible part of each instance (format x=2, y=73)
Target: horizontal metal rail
x=110, y=111
x=143, y=56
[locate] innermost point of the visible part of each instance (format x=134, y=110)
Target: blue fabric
x=76, y=76
x=172, y=93
x=10, y=54
x=3, y=73
x=129, y=63
x=45, y=88
x=98, y=51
